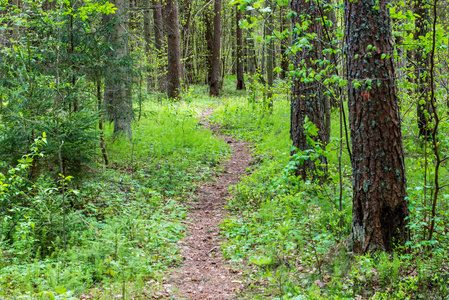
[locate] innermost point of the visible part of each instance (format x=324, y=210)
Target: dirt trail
x=205, y=274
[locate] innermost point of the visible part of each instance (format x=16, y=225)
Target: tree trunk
x=117, y=94
x=422, y=24
x=284, y=43
x=330, y=37
x=251, y=54
x=270, y=57
x=215, y=78
x=147, y=39
x=100, y=123
x=239, y=61
x=209, y=43
x=307, y=96
x=187, y=66
x=173, y=49
x=159, y=45
x=379, y=203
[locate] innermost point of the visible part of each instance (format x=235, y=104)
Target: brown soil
x=205, y=274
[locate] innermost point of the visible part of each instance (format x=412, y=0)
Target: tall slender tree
x=270, y=55
x=422, y=23
x=239, y=62
x=209, y=36
x=284, y=43
x=215, y=78
x=117, y=94
x=307, y=95
x=251, y=48
x=380, y=207
x=159, y=39
x=173, y=49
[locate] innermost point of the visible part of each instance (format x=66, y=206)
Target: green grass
x=123, y=221
x=288, y=231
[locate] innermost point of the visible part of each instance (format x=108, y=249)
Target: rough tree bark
x=173, y=49
x=147, y=39
x=215, y=78
x=307, y=97
x=209, y=42
x=240, y=53
x=117, y=93
x=159, y=44
x=379, y=203
x=284, y=43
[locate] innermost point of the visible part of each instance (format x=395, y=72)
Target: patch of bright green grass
x=292, y=232
x=123, y=221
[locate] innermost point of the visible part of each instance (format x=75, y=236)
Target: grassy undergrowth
x=119, y=230
x=294, y=238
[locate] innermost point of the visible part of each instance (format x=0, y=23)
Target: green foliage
x=289, y=231
x=169, y=150
x=44, y=82
x=285, y=226
x=121, y=224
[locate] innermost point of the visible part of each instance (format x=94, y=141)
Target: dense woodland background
x=346, y=105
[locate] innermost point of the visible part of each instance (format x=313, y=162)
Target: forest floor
x=205, y=274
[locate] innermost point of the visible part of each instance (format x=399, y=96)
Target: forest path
x=205, y=274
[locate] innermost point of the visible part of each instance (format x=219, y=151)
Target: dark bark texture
x=173, y=49
x=209, y=36
x=159, y=43
x=240, y=53
x=284, y=42
x=215, y=73
x=117, y=93
x=307, y=97
x=379, y=203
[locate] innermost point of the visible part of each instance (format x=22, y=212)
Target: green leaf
x=60, y=290
x=260, y=260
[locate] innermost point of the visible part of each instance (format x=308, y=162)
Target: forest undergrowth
x=112, y=232
x=292, y=234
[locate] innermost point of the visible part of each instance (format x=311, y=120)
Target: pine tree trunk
x=147, y=39
x=215, y=78
x=379, y=186
x=159, y=44
x=284, y=42
x=307, y=97
x=239, y=60
x=209, y=43
x=117, y=94
x=173, y=49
